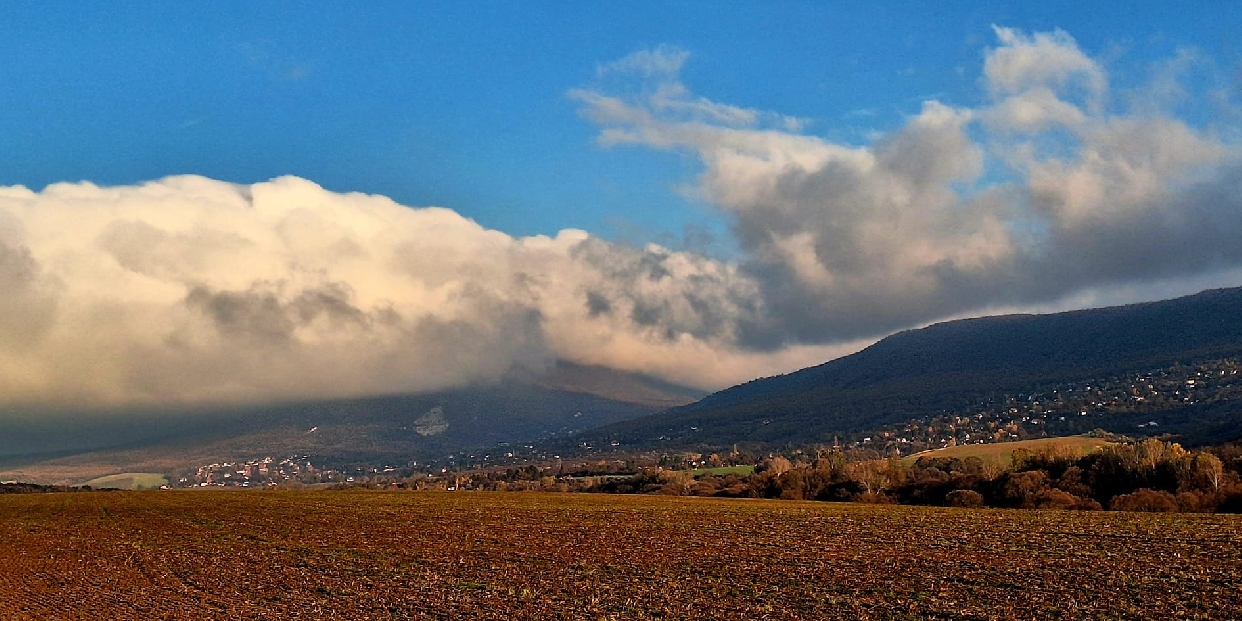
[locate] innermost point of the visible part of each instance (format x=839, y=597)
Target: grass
x=1002, y=452
x=724, y=470
x=404, y=555
x=130, y=481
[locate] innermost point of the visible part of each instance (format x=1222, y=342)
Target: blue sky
x=464, y=105
x=705, y=192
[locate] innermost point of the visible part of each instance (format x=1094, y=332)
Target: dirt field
x=399, y=555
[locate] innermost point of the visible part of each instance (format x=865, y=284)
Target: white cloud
x=190, y=290
x=1042, y=193
x=1033, y=111
x=1127, y=168
x=656, y=75
x=1043, y=59
x=665, y=60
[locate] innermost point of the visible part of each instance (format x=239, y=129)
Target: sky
x=239, y=203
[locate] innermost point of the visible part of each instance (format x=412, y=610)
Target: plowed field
x=402, y=555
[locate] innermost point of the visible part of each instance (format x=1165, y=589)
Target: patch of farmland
x=406, y=555
x=725, y=470
x=1002, y=452
x=130, y=481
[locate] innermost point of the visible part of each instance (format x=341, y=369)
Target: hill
x=73, y=448
x=921, y=373
x=616, y=385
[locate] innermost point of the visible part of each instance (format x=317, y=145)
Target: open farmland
x=1001, y=453
x=130, y=480
x=399, y=555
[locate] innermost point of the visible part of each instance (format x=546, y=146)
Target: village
x=1025, y=416
x=272, y=472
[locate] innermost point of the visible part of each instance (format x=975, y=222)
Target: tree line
x=1148, y=475
x=16, y=487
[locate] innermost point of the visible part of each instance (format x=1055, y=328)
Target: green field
x=1002, y=452
x=130, y=481
x=739, y=470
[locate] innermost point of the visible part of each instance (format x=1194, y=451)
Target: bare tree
x=1207, y=471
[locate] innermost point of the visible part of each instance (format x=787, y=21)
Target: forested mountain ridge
x=924, y=372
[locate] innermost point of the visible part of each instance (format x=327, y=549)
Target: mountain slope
x=919, y=373
x=617, y=385
x=75, y=447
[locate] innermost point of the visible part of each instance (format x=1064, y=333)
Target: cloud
x=1043, y=192
x=188, y=290
x=1033, y=111
x=654, y=75
x=28, y=302
x=1050, y=193
x=1045, y=59
x=665, y=60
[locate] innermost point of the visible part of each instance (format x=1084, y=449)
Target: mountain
x=916, y=374
x=617, y=385
x=921, y=373
x=74, y=447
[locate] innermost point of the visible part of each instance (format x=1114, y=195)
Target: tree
x=1071, y=481
x=872, y=475
x=792, y=485
x=1207, y=472
x=1019, y=486
x=675, y=482
x=776, y=466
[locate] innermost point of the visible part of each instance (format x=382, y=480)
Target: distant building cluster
x=1062, y=408
x=253, y=473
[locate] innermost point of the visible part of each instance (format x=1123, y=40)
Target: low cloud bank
x=189, y=290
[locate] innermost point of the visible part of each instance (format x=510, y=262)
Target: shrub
x=1146, y=500
x=1088, y=504
x=873, y=498
x=1060, y=499
x=1231, y=503
x=1051, y=499
x=964, y=498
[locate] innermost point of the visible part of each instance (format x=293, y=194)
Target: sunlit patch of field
x=130, y=481
x=1001, y=453
x=403, y=555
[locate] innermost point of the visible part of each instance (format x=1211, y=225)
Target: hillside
x=616, y=385
x=921, y=373
x=75, y=447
